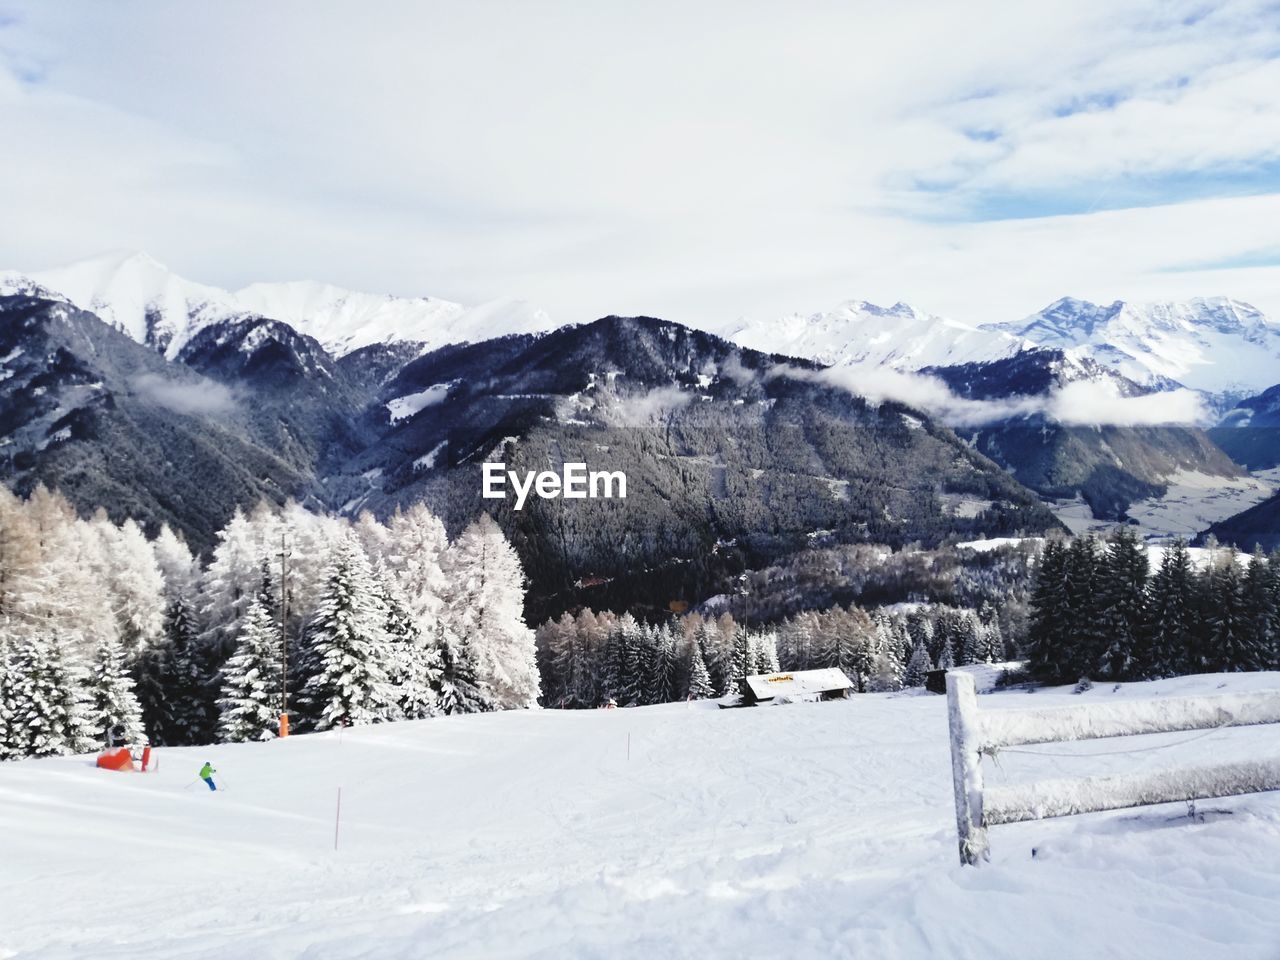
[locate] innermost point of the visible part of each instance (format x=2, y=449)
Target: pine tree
x=415, y=666
x=9, y=747
x=348, y=648
x=766, y=652
x=714, y=657
x=742, y=659
x=1122, y=586
x=623, y=682
x=1231, y=643
x=918, y=666
x=968, y=634
x=250, y=704
x=667, y=667
x=1262, y=603
x=1171, y=612
x=699, y=679
x=1048, y=637
x=191, y=681
x=49, y=708
x=946, y=657
x=113, y=712
x=1086, y=633
x=461, y=688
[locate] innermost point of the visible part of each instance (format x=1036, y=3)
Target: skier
x=206, y=774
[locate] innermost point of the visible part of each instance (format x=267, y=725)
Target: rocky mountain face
x=111, y=423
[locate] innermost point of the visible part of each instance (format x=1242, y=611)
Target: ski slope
x=801, y=830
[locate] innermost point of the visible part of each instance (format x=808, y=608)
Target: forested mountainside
x=734, y=458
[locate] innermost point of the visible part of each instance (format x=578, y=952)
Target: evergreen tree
x=250, y=704
x=766, y=653
x=1231, y=645
x=918, y=666
x=1262, y=602
x=714, y=657
x=1122, y=586
x=414, y=669
x=742, y=658
x=113, y=712
x=461, y=688
x=1086, y=639
x=9, y=747
x=348, y=648
x=1171, y=612
x=946, y=658
x=699, y=679
x=968, y=638
x=49, y=714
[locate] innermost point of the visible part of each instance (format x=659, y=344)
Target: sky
x=698, y=162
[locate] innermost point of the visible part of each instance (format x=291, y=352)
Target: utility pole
x=284, y=638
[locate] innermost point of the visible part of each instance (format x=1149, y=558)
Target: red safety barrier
x=117, y=759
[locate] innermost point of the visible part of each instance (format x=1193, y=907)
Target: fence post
x=966, y=766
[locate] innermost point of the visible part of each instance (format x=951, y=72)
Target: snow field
x=804, y=830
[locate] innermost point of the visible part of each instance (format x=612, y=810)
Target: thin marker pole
x=337, y=817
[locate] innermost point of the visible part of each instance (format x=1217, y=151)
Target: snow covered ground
x=1194, y=502
x=804, y=830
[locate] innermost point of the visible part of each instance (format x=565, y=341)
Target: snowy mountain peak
x=1214, y=344
x=137, y=294
x=345, y=320
x=859, y=332
x=145, y=299
x=14, y=284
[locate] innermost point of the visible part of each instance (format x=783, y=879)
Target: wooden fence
x=976, y=732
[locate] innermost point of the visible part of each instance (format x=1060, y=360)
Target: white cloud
x=205, y=398
x=693, y=162
x=1082, y=403
x=1089, y=402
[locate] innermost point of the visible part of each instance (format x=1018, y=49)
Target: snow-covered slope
x=804, y=830
x=344, y=320
x=156, y=306
x=857, y=332
x=141, y=297
x=1213, y=344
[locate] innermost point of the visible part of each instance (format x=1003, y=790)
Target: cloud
x=1082, y=403
x=646, y=409
x=204, y=398
x=1099, y=402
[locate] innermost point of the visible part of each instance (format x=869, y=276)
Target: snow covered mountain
x=345, y=320
x=858, y=332
x=1216, y=345
x=155, y=306
x=138, y=296
x=1221, y=347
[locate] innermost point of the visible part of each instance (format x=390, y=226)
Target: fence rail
x=975, y=732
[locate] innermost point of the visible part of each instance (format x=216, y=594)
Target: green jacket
x=206, y=772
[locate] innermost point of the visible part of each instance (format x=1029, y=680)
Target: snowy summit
x=155, y=306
